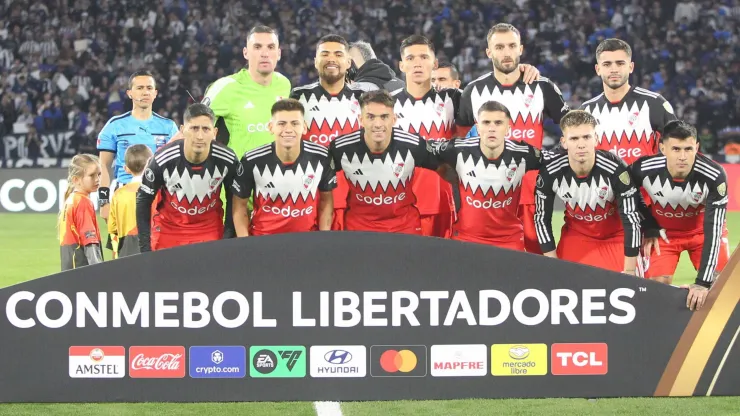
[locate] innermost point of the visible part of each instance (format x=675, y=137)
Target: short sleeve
x=107, y=138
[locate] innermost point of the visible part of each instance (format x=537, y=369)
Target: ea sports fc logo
x=394, y=361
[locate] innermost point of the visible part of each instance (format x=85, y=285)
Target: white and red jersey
x=189, y=194
x=528, y=104
x=593, y=204
x=684, y=208
x=632, y=127
x=433, y=118
x=380, y=195
x=285, y=198
x=329, y=116
x=489, y=189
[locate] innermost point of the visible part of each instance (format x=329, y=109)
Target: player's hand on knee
x=696, y=297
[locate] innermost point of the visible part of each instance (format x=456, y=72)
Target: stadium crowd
x=65, y=65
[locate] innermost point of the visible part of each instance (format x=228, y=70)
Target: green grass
x=29, y=249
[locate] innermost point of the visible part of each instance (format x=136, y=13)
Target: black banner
x=351, y=316
x=55, y=150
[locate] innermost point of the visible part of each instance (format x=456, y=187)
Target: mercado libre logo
x=398, y=360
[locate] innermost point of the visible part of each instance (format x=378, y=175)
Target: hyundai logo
x=338, y=357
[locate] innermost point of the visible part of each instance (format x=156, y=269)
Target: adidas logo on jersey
x=358, y=172
x=472, y=174
x=315, y=108
x=659, y=193
x=270, y=185
x=249, y=105
x=567, y=195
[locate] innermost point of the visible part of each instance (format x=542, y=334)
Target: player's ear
x=271, y=126
x=436, y=63
x=280, y=53
x=632, y=67
x=489, y=53
x=596, y=68
x=562, y=143
x=661, y=147
x=305, y=128
x=244, y=53
x=215, y=132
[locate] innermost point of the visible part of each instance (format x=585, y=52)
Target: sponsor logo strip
x=218, y=362
x=519, y=359
x=398, y=360
x=338, y=361
x=459, y=360
x=156, y=362
x=97, y=362
x=580, y=359
x=277, y=361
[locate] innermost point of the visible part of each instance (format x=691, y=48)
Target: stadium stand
x=64, y=64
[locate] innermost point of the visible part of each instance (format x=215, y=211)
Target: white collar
x=136, y=179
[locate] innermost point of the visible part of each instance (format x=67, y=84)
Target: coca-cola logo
x=157, y=362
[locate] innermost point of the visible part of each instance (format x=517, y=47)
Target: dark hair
x=454, y=73
x=197, y=110
x=378, y=97
x=678, y=129
x=141, y=73
x=502, y=28
x=577, y=118
x=288, y=104
x=416, y=40
x=494, y=106
x=261, y=29
x=332, y=38
x=613, y=45
x=136, y=158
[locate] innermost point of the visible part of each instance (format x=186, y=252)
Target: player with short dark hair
x=332, y=107
x=689, y=195
x=290, y=179
x=188, y=175
x=379, y=161
x=597, y=189
x=490, y=170
x=141, y=125
x=445, y=76
x=631, y=119
x=422, y=110
x=528, y=101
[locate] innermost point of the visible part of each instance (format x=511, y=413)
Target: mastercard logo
x=393, y=361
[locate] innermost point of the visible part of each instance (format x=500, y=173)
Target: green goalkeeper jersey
x=244, y=106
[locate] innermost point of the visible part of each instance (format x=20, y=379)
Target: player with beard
x=422, y=110
x=689, y=194
x=445, y=76
x=379, y=162
x=631, y=119
x=594, y=185
x=332, y=107
x=490, y=170
x=528, y=104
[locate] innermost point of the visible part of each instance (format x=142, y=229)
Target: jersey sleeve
x=424, y=155
x=661, y=115
x=445, y=151
x=151, y=182
x=465, y=116
x=85, y=224
x=533, y=159
x=335, y=157
x=544, y=199
x=243, y=184
x=555, y=105
x=649, y=224
x=107, y=138
x=216, y=97
x=328, y=177
x=455, y=96
x=623, y=186
x=714, y=224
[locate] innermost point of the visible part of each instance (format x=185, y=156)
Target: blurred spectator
x=82, y=51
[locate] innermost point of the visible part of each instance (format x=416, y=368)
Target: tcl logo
x=591, y=217
x=196, y=210
x=626, y=153
x=521, y=134
x=157, y=362
x=324, y=139
x=683, y=214
x=381, y=199
x=287, y=212
x=257, y=127
x=579, y=359
x=489, y=203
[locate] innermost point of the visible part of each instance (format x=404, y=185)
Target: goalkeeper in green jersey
x=242, y=101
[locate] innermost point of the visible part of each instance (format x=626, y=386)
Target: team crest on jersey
x=398, y=169
x=540, y=181
x=722, y=189
x=624, y=177
x=355, y=107
x=149, y=175
x=696, y=196
x=215, y=182
x=308, y=180
x=511, y=173
x=528, y=100
x=440, y=108
x=603, y=192
x=634, y=118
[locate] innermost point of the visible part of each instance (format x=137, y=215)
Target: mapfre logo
x=459, y=360
x=579, y=359
x=156, y=362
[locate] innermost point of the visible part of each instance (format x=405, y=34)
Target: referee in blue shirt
x=139, y=126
